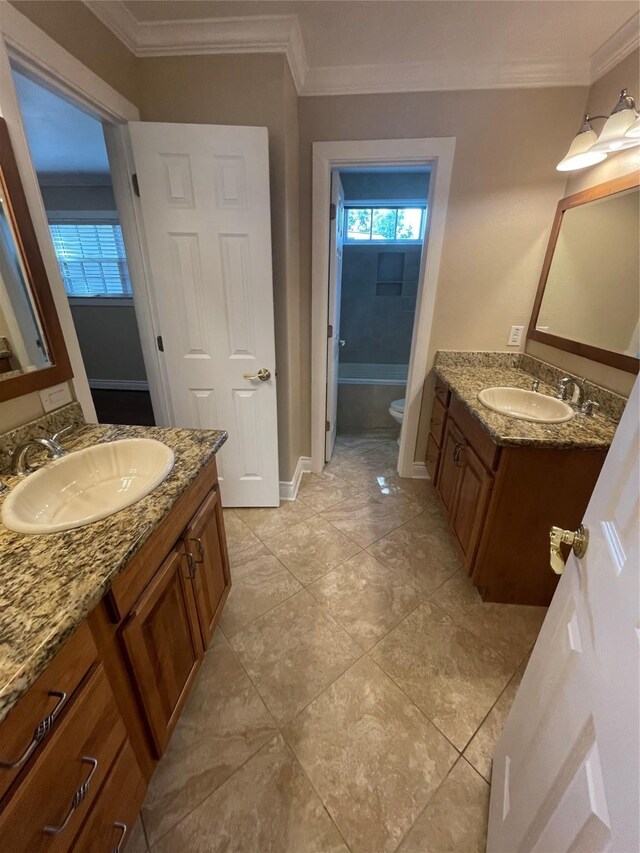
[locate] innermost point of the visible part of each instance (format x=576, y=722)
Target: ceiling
x=393, y=45
x=61, y=137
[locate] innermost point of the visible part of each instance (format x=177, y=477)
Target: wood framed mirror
x=33, y=354
x=588, y=299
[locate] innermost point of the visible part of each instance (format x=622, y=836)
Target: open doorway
x=72, y=166
x=385, y=214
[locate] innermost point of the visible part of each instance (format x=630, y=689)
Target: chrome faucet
x=20, y=458
x=577, y=392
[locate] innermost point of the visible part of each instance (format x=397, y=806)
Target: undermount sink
x=526, y=405
x=87, y=485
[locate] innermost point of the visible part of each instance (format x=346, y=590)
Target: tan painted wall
x=503, y=195
x=76, y=28
x=601, y=98
x=249, y=90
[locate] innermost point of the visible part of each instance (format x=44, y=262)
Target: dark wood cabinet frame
x=38, y=281
x=614, y=359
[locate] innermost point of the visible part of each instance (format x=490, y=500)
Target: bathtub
x=365, y=392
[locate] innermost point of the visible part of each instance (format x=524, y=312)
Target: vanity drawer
x=436, y=424
x=112, y=818
x=76, y=758
x=432, y=457
x=481, y=441
x=32, y=722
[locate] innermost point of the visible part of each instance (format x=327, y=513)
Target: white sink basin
x=526, y=405
x=87, y=485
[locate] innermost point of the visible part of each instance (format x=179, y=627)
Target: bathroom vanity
x=104, y=632
x=504, y=482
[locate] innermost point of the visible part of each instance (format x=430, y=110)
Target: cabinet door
x=206, y=544
x=164, y=646
x=471, y=501
x=449, y=469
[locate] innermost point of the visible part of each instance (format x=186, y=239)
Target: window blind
x=92, y=259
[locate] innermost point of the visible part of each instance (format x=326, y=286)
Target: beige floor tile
x=268, y=806
x=415, y=492
x=312, y=548
x=364, y=469
x=365, y=598
x=420, y=553
x=452, y=676
x=137, y=841
x=224, y=722
x=293, y=652
x=480, y=750
x=372, y=756
x=510, y=629
x=361, y=443
x=239, y=536
x=320, y=491
x=259, y=582
x=455, y=820
x=267, y=521
x=366, y=519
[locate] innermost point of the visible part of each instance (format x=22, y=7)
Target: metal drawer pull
x=78, y=797
x=457, y=453
x=198, y=541
x=39, y=733
x=123, y=834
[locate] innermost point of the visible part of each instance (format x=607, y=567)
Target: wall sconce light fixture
x=621, y=130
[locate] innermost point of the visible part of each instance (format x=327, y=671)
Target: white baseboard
x=419, y=471
x=119, y=384
x=289, y=488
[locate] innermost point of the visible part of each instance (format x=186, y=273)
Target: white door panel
x=565, y=772
x=204, y=194
x=336, y=242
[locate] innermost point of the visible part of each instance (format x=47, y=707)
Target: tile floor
x=356, y=687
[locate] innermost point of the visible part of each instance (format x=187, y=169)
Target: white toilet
x=396, y=410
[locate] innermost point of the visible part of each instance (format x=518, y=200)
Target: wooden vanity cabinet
x=107, y=704
x=205, y=545
x=501, y=501
x=164, y=646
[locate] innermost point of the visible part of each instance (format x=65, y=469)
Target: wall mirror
x=32, y=350
x=588, y=300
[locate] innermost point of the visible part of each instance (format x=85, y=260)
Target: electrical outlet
x=56, y=396
x=515, y=336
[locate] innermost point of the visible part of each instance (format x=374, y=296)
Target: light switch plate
x=56, y=396
x=515, y=336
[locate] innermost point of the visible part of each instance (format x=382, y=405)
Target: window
x=385, y=224
x=92, y=258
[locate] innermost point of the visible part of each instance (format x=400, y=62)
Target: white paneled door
x=565, y=772
x=336, y=241
x=204, y=197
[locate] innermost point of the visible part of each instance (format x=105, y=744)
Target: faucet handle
x=589, y=407
x=56, y=437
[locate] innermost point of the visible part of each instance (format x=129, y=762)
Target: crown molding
x=251, y=34
x=282, y=34
x=616, y=48
x=442, y=76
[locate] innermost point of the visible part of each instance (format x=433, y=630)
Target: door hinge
x=329, y=331
x=135, y=184
x=160, y=343
x=327, y=426
x=332, y=211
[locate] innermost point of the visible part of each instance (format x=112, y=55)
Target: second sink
x=526, y=405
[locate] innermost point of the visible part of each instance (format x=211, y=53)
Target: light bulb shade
x=634, y=130
x=581, y=153
x=612, y=137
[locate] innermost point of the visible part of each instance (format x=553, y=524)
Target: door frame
x=43, y=59
x=436, y=152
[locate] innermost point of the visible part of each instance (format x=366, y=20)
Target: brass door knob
x=577, y=539
x=263, y=374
